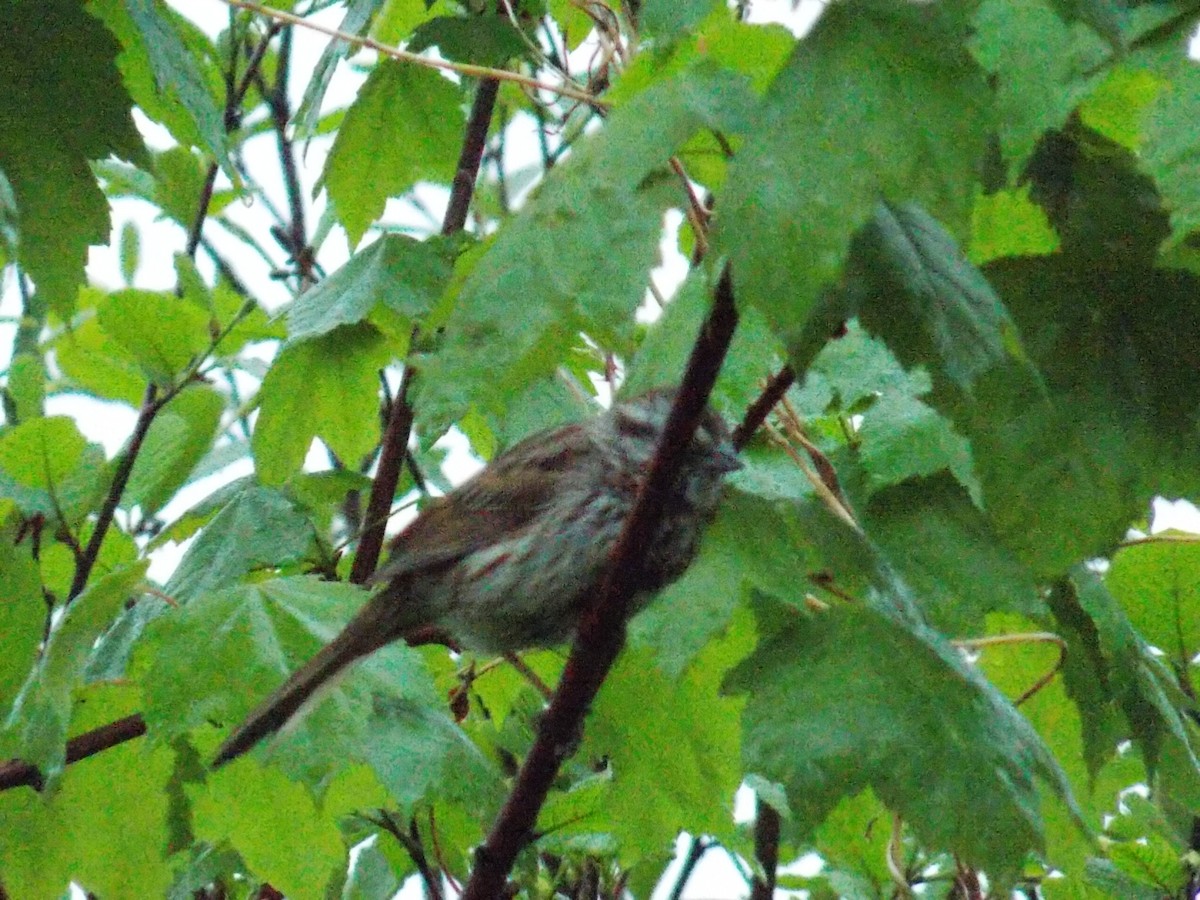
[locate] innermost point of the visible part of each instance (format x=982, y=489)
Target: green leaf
x=666, y=19
x=178, y=439
x=1008, y=223
x=1116, y=108
x=404, y=127
x=1157, y=583
x=47, y=467
x=1116, y=375
x=407, y=276
x=274, y=823
x=945, y=549
x=481, y=40
x=894, y=83
x=1042, y=67
x=27, y=385
x=327, y=387
x=755, y=543
x=1141, y=684
x=179, y=78
x=578, y=254
x=42, y=710
x=258, y=529
x=672, y=747
x=894, y=707
x=103, y=828
x=359, y=14
x=179, y=178
x=1170, y=150
x=56, y=115
x=94, y=362
x=162, y=332
x=949, y=316
x=22, y=613
x=385, y=712
x=902, y=437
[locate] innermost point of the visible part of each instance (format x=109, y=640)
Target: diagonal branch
x=602, y=628
x=18, y=773
x=83, y=569
x=400, y=416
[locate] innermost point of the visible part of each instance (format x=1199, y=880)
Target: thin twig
x=529, y=675
x=761, y=408
x=383, y=489
x=1035, y=637
x=83, y=569
x=18, y=773
x=696, y=850
x=602, y=626
x=411, y=842
x=471, y=71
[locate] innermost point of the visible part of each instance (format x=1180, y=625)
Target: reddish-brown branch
x=761, y=408
x=395, y=439
x=83, y=569
x=18, y=773
x=766, y=850
x=602, y=628
x=471, y=156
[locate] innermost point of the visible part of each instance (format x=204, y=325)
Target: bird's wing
x=499, y=502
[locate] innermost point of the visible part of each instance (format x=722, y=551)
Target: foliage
x=921, y=629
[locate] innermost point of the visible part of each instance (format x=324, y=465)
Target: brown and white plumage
x=507, y=560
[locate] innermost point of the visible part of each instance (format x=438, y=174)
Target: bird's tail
x=368, y=631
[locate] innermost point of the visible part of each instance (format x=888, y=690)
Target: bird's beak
x=725, y=459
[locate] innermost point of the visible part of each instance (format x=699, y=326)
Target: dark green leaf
x=1171, y=149
x=179, y=77
x=754, y=543
x=894, y=707
x=1141, y=684
x=407, y=276
x=63, y=105
x=949, y=317
x=577, y=256
x=42, y=711
x=946, y=551
x=668, y=18
x=871, y=76
x=1043, y=67
x=258, y=529
x=482, y=40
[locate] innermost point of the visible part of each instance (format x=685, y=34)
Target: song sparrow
x=509, y=559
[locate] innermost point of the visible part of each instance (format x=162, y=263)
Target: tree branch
x=766, y=850
x=395, y=439
x=18, y=773
x=383, y=489
x=602, y=627
x=761, y=408
x=469, y=159
x=83, y=569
